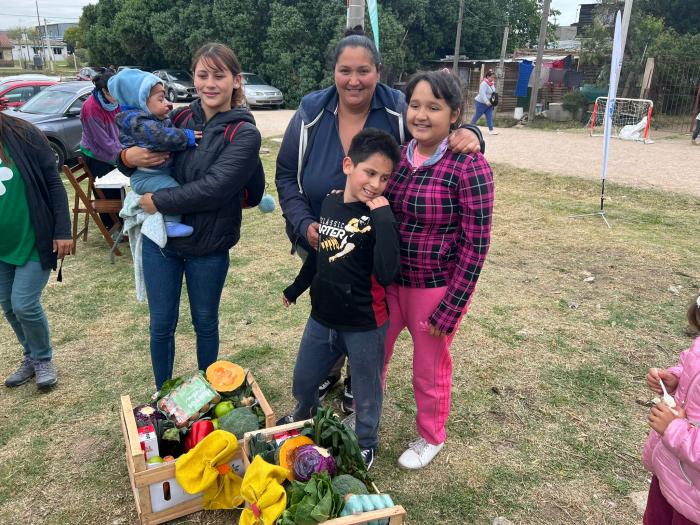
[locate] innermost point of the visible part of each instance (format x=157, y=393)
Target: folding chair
x=90, y=207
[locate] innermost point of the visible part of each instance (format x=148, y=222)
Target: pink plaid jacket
x=444, y=215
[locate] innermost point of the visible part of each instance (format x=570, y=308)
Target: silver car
x=260, y=94
x=56, y=112
x=178, y=84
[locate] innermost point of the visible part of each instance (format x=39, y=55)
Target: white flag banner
x=615, y=67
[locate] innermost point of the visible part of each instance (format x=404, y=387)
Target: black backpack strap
x=229, y=133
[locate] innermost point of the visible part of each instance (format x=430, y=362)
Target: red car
x=14, y=94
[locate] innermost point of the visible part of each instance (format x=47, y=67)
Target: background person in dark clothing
x=99, y=145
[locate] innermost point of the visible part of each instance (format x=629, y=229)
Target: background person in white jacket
x=483, y=101
x=697, y=129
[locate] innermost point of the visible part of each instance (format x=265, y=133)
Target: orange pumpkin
x=225, y=376
x=288, y=450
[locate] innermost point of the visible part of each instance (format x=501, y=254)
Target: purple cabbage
x=310, y=459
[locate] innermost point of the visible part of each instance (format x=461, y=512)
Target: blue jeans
x=145, y=180
x=205, y=275
x=483, y=109
x=319, y=350
x=20, y=294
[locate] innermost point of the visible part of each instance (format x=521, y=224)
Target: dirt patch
x=667, y=164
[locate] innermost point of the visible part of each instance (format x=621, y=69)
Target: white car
x=259, y=93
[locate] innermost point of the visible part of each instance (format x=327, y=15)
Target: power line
x=32, y=15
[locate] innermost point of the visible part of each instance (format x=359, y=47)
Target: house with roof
x=6, y=59
x=514, y=90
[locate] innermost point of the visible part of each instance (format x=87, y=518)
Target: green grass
x=544, y=427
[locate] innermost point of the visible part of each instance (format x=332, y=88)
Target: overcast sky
x=23, y=12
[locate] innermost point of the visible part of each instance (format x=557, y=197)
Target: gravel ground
x=671, y=164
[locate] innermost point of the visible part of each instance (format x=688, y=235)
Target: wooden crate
x=141, y=478
x=396, y=514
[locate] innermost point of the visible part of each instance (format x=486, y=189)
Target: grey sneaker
x=46, y=376
x=23, y=374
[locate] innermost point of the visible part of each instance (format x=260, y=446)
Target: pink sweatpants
x=432, y=364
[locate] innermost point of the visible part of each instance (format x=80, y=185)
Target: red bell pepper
x=198, y=431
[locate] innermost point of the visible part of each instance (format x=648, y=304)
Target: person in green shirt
x=36, y=233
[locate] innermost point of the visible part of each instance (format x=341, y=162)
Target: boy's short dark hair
x=370, y=141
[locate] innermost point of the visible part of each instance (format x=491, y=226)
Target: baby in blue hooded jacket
x=144, y=122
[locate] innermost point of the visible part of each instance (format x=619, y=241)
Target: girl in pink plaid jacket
x=442, y=202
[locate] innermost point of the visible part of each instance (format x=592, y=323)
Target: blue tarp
x=524, y=72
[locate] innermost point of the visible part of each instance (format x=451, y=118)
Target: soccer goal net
x=630, y=118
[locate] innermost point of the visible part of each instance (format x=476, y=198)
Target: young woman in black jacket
x=214, y=179
x=35, y=228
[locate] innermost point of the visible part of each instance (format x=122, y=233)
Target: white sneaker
x=419, y=454
x=493, y=132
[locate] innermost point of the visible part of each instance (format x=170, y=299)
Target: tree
x=296, y=69
x=292, y=42
x=683, y=16
x=73, y=36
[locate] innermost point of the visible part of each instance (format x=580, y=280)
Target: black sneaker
x=285, y=420
x=368, y=456
x=327, y=386
x=347, y=404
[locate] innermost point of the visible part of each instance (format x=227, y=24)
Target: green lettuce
x=312, y=502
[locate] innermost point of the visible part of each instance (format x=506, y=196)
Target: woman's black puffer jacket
x=213, y=177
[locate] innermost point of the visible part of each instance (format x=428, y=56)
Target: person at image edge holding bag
x=36, y=233
x=486, y=100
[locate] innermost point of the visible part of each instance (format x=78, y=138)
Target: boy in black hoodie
x=358, y=256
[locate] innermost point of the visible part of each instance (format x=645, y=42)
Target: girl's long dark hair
x=12, y=126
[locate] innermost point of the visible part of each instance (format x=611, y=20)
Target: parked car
x=14, y=94
x=28, y=76
x=259, y=93
x=56, y=112
x=178, y=84
x=142, y=68
x=88, y=73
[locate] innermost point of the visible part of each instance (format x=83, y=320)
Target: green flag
x=374, y=20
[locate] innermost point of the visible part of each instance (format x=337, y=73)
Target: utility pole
x=500, y=74
x=538, y=64
x=356, y=13
x=38, y=28
x=48, y=47
x=458, y=36
x=625, y=24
